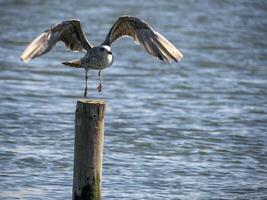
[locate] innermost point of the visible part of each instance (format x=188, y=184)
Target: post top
x=91, y=101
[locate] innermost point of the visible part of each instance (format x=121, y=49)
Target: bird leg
x=86, y=77
x=100, y=86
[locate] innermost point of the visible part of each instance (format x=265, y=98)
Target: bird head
x=104, y=49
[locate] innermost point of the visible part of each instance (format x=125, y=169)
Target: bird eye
x=102, y=49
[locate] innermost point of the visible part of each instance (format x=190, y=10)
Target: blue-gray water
x=190, y=130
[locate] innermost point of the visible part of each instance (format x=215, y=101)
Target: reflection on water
x=192, y=130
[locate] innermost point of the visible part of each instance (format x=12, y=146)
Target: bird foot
x=85, y=93
x=100, y=87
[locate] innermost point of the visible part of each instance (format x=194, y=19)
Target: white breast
x=102, y=63
x=110, y=59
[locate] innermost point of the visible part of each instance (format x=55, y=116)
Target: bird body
x=97, y=58
x=100, y=57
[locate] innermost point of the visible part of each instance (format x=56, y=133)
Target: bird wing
x=70, y=32
x=143, y=34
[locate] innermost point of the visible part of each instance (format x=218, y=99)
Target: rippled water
x=192, y=130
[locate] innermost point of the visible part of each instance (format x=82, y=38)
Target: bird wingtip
x=23, y=58
x=179, y=57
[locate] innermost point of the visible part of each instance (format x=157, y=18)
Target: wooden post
x=88, y=149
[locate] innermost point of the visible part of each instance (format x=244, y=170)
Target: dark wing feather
x=143, y=34
x=70, y=32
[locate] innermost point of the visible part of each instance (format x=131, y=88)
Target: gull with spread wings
x=100, y=57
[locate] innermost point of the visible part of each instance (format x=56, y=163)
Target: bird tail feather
x=73, y=63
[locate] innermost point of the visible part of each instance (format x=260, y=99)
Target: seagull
x=100, y=57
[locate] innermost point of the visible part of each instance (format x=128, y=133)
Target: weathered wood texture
x=88, y=149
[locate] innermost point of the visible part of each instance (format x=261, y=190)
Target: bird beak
x=109, y=52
